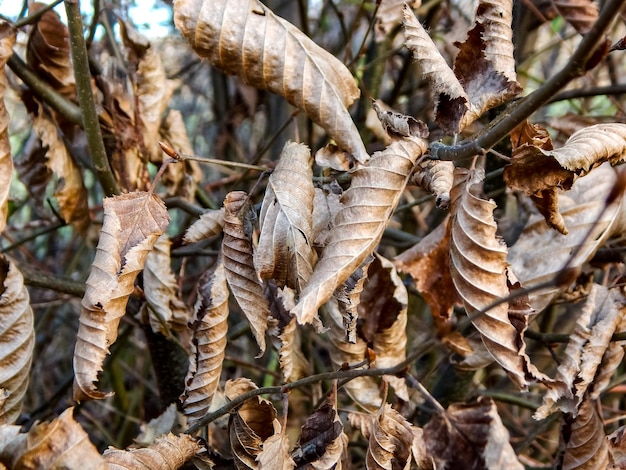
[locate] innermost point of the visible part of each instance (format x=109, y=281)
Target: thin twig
x=35, y=16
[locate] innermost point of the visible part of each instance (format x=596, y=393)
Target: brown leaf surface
x=389, y=15
x=132, y=224
x=450, y=98
x=248, y=40
x=7, y=40
x=369, y=203
x=583, y=443
x=275, y=453
x=285, y=252
x=166, y=310
x=617, y=449
x=208, y=344
x=59, y=444
x=210, y=224
x=169, y=452
x=496, y=16
x=400, y=125
x=17, y=340
x=242, y=279
x=598, y=320
x=436, y=177
x=478, y=268
x=581, y=14
x=470, y=436
x=390, y=441
x=326, y=205
x=348, y=297
x=612, y=358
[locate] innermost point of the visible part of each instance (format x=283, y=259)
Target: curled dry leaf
x=210, y=224
x=326, y=205
x=166, y=310
x=132, y=224
x=435, y=176
x=7, y=40
x=495, y=16
x=617, y=449
x=450, y=97
x=348, y=297
x=398, y=124
x=389, y=15
x=581, y=14
x=208, y=344
x=540, y=253
x=17, y=340
x=285, y=252
x=612, y=357
x=470, y=435
x=583, y=444
x=266, y=51
x=369, y=203
x=478, y=268
x=242, y=279
x=169, y=452
x=62, y=443
x=275, y=453
x=585, y=350
x=390, y=441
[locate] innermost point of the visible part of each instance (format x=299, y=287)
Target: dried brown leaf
x=435, y=176
x=588, y=343
x=326, y=205
x=275, y=453
x=242, y=279
x=450, y=98
x=285, y=252
x=470, y=436
x=7, y=40
x=166, y=310
x=17, y=340
x=400, y=125
x=496, y=18
x=617, y=449
x=369, y=203
x=390, y=441
x=132, y=224
x=348, y=297
x=248, y=40
x=389, y=15
x=478, y=268
x=59, y=444
x=293, y=363
x=583, y=443
x=612, y=357
x=210, y=224
x=208, y=344
x=581, y=14
x=169, y=452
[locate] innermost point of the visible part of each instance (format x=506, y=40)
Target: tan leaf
x=322, y=441
x=581, y=14
x=389, y=16
x=208, y=345
x=348, y=297
x=166, y=310
x=583, y=443
x=450, y=98
x=61, y=443
x=369, y=203
x=293, y=363
x=435, y=176
x=390, y=441
x=470, y=435
x=285, y=252
x=540, y=252
x=242, y=279
x=132, y=224
x=617, y=449
x=478, y=268
x=598, y=320
x=248, y=40
x=275, y=454
x=612, y=358
x=496, y=16
x=7, y=40
x=17, y=340
x=210, y=224
x=398, y=124
x=168, y=421
x=169, y=452
x=326, y=205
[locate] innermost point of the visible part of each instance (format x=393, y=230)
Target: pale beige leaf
x=581, y=14
x=242, y=278
x=399, y=124
x=285, y=252
x=17, y=339
x=70, y=191
x=275, y=454
x=540, y=252
x=208, y=345
x=166, y=310
x=246, y=39
x=495, y=16
x=210, y=224
x=7, y=39
x=389, y=16
x=369, y=203
x=169, y=452
x=60, y=444
x=293, y=363
x=617, y=449
x=583, y=443
x=598, y=320
x=326, y=205
x=478, y=268
x=364, y=422
x=348, y=297
x=436, y=177
x=612, y=358
x=390, y=441
x=450, y=97
x=470, y=435
x=132, y=224
x=170, y=420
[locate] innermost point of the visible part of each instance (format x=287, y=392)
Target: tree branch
x=576, y=67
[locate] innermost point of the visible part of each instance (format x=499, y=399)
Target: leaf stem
x=85, y=99
x=576, y=67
